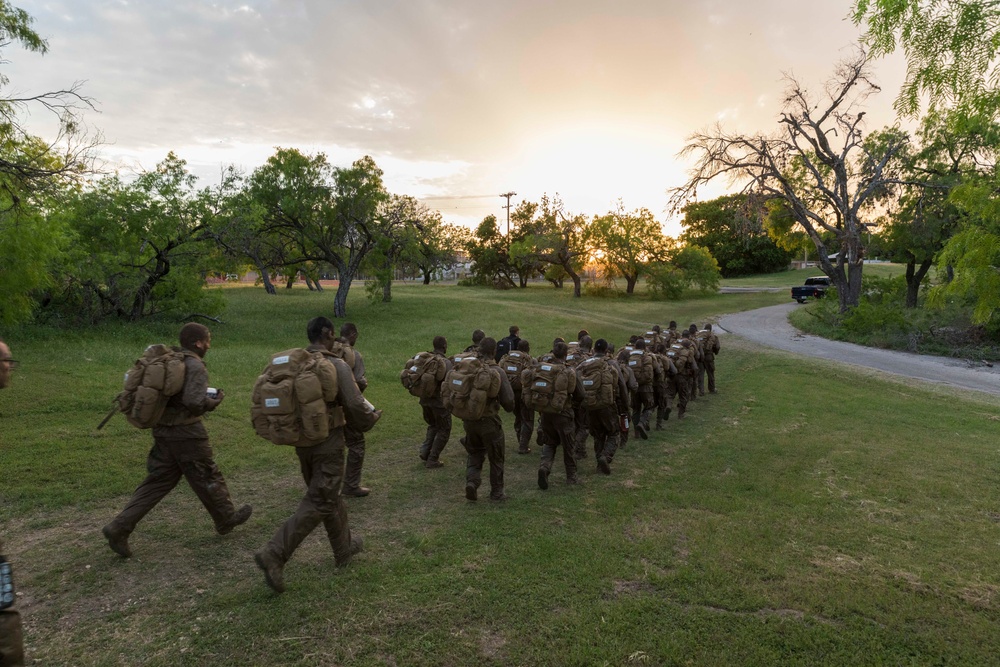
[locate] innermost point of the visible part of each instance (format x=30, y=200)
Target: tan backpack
x=642, y=366
x=154, y=377
x=513, y=364
x=423, y=374
x=597, y=378
x=547, y=387
x=678, y=354
x=468, y=388
x=288, y=405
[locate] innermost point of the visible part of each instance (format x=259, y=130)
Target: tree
x=138, y=247
x=329, y=214
x=817, y=163
x=784, y=231
x=34, y=172
x=401, y=220
x=731, y=229
x=489, y=251
x=242, y=234
x=683, y=268
x=951, y=48
x=627, y=242
x=556, y=239
x=438, y=246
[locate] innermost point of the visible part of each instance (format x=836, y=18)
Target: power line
x=457, y=197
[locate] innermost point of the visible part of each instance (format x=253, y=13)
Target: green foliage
x=974, y=253
x=665, y=281
x=699, y=268
x=731, y=229
x=138, y=248
x=951, y=48
x=490, y=254
x=29, y=244
x=629, y=243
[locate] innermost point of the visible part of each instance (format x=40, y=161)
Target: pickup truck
x=814, y=287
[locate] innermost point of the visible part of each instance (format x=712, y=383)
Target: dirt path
x=769, y=326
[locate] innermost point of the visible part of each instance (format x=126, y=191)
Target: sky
x=456, y=100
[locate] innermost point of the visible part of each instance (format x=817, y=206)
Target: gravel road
x=769, y=326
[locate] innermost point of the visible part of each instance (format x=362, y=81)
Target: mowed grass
x=808, y=514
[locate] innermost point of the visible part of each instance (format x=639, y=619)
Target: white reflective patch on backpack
x=541, y=383
x=588, y=383
x=413, y=369
x=633, y=363
x=457, y=382
x=512, y=368
x=280, y=360
x=272, y=402
x=546, y=367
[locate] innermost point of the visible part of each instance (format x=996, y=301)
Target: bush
x=601, y=289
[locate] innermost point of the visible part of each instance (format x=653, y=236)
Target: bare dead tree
x=816, y=162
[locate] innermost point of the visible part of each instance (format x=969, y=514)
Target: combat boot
x=273, y=570
x=117, y=540
x=239, y=517
x=433, y=464
x=357, y=546
x=543, y=479
x=603, y=466
x=470, y=491
x=680, y=411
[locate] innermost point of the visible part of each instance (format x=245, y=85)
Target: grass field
x=807, y=514
x=798, y=276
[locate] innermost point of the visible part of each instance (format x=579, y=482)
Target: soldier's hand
x=213, y=403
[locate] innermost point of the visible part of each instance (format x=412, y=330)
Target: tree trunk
x=340, y=299
x=309, y=282
x=914, y=277
x=268, y=285
x=387, y=290
x=577, y=289
x=427, y=276
x=291, y=281
x=630, y=281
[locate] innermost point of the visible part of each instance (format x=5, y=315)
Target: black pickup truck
x=814, y=287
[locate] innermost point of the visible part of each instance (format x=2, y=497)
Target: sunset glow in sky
x=454, y=99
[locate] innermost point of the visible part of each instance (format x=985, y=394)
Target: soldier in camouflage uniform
x=11, y=642
x=435, y=415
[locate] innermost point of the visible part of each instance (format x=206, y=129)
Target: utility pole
x=508, y=195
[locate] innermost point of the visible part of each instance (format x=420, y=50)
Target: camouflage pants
x=559, y=431
x=678, y=387
x=643, y=407
x=524, y=423
x=438, y=421
x=168, y=461
x=484, y=440
x=582, y=432
x=605, y=428
x=11, y=642
x=709, y=370
x=355, y=457
x=322, y=469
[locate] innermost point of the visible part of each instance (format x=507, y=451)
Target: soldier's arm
x=506, y=395
x=356, y=409
x=359, y=371
x=194, y=394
